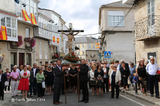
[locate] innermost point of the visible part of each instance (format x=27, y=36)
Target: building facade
x=19, y=19
x=147, y=23
x=117, y=31
x=88, y=48
x=29, y=35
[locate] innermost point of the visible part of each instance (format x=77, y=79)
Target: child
x=135, y=81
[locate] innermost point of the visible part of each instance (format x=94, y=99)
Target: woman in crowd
x=49, y=75
x=115, y=80
x=99, y=79
x=92, y=79
x=24, y=82
x=125, y=74
x=40, y=78
x=7, y=83
x=106, y=77
x=141, y=70
x=73, y=77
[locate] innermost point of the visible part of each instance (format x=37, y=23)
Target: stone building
x=18, y=48
x=147, y=24
x=117, y=31
x=88, y=48
x=31, y=34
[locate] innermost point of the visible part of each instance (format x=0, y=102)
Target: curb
x=154, y=103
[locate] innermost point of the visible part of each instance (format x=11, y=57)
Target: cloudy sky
x=82, y=13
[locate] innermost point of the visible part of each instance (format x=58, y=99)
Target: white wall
x=121, y=45
x=8, y=5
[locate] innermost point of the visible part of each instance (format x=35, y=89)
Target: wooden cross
x=70, y=36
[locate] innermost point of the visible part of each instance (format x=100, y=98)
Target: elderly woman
x=40, y=78
x=115, y=80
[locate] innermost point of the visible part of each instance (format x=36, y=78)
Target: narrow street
x=105, y=100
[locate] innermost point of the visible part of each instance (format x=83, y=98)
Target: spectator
x=99, y=74
x=8, y=82
x=2, y=80
x=92, y=79
x=141, y=70
x=24, y=82
x=73, y=77
x=40, y=78
x=106, y=77
x=49, y=79
x=14, y=81
x=33, y=82
x=115, y=80
x=125, y=74
x=152, y=69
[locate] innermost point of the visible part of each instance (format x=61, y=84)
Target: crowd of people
x=53, y=79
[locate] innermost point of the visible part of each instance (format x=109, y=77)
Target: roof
x=116, y=4
x=49, y=10
x=85, y=39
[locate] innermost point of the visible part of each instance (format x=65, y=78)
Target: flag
x=25, y=15
x=57, y=40
x=33, y=19
x=53, y=39
x=3, y=33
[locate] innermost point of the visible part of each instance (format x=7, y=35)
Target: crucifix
x=70, y=36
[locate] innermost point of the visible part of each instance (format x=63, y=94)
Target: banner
x=25, y=15
x=3, y=33
x=33, y=19
x=57, y=40
x=54, y=39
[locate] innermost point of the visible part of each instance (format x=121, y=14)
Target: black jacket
x=83, y=74
x=58, y=78
x=3, y=79
x=32, y=79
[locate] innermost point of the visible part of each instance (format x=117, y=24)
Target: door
x=21, y=59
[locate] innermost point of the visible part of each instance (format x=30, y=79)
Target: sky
x=83, y=14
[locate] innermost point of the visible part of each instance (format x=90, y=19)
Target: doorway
x=21, y=59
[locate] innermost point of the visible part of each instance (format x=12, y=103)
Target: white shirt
x=104, y=69
x=22, y=72
x=0, y=77
x=34, y=72
x=152, y=68
x=91, y=73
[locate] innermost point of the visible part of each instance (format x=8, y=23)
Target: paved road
x=105, y=100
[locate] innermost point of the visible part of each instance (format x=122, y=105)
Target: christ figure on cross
x=70, y=36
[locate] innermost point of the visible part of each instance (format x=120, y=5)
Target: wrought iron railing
x=148, y=27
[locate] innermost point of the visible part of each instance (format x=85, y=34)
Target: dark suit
x=83, y=76
x=33, y=82
x=2, y=81
x=58, y=81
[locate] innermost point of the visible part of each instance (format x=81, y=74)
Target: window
x=151, y=13
x=3, y=21
x=11, y=25
x=115, y=18
x=27, y=32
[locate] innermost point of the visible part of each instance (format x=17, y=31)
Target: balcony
x=147, y=28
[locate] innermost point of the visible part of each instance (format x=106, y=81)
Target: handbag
x=6, y=83
x=43, y=85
